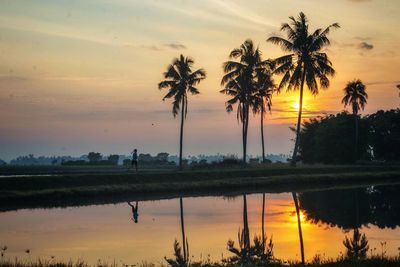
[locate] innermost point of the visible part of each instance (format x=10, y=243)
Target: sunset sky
x=80, y=76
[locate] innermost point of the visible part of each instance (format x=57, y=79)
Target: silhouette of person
x=135, y=159
x=135, y=213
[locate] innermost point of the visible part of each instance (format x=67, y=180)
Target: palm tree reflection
x=296, y=204
x=180, y=260
x=246, y=253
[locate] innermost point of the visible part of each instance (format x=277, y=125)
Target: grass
x=81, y=189
x=369, y=262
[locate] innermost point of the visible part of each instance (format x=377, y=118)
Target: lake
x=109, y=232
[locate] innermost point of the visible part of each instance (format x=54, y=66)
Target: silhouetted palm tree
x=181, y=80
x=263, y=98
x=398, y=87
x=356, y=247
x=296, y=204
x=305, y=63
x=239, y=82
x=356, y=96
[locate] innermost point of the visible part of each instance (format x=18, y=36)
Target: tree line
x=325, y=139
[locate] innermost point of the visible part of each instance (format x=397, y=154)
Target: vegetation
x=242, y=80
x=306, y=62
x=356, y=96
x=265, y=87
x=180, y=80
x=323, y=140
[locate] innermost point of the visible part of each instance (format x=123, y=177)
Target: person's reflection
x=135, y=213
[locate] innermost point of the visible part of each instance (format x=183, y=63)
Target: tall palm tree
x=305, y=63
x=356, y=96
x=239, y=82
x=180, y=80
x=265, y=87
x=296, y=204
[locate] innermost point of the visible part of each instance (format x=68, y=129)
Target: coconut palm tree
x=263, y=98
x=180, y=80
x=305, y=63
x=356, y=96
x=239, y=82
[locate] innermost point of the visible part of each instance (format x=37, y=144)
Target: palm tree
x=398, y=87
x=356, y=96
x=239, y=82
x=305, y=63
x=263, y=97
x=181, y=80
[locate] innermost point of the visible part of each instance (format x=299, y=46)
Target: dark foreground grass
x=370, y=262
x=84, y=189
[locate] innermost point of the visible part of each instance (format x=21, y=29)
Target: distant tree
x=163, y=156
x=2, y=163
x=356, y=247
x=306, y=62
x=113, y=159
x=145, y=157
x=385, y=134
x=180, y=80
x=239, y=82
x=94, y=157
x=356, y=96
x=398, y=87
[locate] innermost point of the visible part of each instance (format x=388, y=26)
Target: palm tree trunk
x=299, y=226
x=245, y=125
x=356, y=137
x=262, y=132
x=246, y=234
x=296, y=144
x=262, y=221
x=243, y=137
x=183, y=229
x=181, y=136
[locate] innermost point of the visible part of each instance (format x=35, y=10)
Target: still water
x=109, y=232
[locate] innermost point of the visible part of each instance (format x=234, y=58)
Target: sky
x=80, y=76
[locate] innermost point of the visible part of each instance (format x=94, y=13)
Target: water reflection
x=353, y=208
x=135, y=211
x=246, y=253
x=210, y=222
x=296, y=204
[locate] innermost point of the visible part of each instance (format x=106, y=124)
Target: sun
x=296, y=105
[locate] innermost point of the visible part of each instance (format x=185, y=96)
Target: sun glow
x=296, y=105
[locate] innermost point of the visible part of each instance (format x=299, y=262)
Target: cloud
x=365, y=46
x=151, y=47
x=175, y=46
x=359, y=1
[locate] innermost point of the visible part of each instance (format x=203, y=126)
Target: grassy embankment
x=78, y=189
